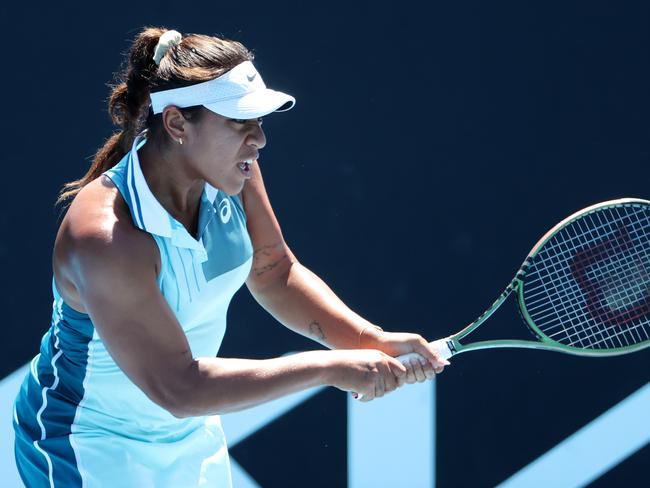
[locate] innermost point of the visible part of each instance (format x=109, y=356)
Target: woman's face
x=218, y=149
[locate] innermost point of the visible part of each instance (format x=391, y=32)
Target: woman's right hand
x=368, y=372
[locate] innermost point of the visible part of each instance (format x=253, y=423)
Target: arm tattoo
x=261, y=256
x=260, y=270
x=316, y=331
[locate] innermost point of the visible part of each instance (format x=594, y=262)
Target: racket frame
x=451, y=345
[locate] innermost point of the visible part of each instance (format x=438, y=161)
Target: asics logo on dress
x=224, y=210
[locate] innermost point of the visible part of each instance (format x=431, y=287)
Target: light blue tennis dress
x=79, y=420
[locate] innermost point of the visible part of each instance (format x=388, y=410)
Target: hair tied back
x=168, y=39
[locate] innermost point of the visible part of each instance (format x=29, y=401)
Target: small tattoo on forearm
x=316, y=331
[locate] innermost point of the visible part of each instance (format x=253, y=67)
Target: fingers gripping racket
x=584, y=288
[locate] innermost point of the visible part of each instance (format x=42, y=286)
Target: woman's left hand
x=419, y=368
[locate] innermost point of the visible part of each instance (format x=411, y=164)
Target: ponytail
x=127, y=106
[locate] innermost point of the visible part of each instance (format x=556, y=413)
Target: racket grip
x=440, y=346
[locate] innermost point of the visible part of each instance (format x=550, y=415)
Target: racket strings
x=561, y=271
x=588, y=286
x=620, y=275
x=557, y=273
x=614, y=336
x=556, y=260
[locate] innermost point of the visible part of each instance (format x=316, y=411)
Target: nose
x=256, y=137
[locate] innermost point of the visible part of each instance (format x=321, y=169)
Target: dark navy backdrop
x=431, y=145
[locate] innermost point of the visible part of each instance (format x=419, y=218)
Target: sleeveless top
x=79, y=420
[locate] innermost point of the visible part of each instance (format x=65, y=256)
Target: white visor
x=238, y=94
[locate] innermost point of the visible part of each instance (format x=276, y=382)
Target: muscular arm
x=113, y=268
x=304, y=303
x=289, y=291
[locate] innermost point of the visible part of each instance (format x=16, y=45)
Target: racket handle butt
x=441, y=347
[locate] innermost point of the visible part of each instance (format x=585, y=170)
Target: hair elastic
x=168, y=39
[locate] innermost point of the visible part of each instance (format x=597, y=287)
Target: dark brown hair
x=195, y=59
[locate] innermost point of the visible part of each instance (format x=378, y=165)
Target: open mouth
x=245, y=167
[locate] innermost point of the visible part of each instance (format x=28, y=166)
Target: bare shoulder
x=97, y=231
x=106, y=267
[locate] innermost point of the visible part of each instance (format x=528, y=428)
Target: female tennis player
x=170, y=220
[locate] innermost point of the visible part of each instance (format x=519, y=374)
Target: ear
x=174, y=122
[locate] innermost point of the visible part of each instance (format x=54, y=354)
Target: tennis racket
x=584, y=288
